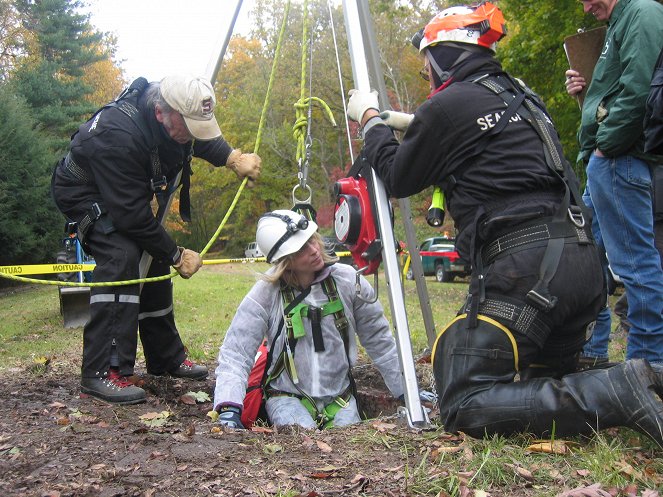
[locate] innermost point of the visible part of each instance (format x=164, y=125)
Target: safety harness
x=569, y=220
x=294, y=331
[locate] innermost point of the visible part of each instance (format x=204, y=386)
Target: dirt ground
x=55, y=443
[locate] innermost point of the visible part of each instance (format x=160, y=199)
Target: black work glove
x=231, y=417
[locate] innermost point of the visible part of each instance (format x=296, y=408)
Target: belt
x=70, y=165
x=521, y=317
x=533, y=233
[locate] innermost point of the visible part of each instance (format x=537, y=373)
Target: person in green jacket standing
x=619, y=180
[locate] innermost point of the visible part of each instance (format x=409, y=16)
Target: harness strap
x=295, y=330
x=324, y=417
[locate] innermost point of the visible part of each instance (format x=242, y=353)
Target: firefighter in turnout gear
x=129, y=151
x=537, y=285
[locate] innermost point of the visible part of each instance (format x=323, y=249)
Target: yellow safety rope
x=261, y=126
x=302, y=105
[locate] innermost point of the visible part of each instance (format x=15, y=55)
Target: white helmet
x=282, y=233
x=483, y=25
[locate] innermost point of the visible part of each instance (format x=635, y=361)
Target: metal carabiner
x=358, y=286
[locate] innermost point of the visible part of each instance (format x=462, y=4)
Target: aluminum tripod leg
x=415, y=412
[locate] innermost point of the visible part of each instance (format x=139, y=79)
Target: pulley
x=354, y=223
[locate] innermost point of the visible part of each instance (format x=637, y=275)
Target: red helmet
x=483, y=25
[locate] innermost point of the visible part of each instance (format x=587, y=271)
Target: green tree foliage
x=13, y=37
x=534, y=52
x=30, y=228
x=51, y=78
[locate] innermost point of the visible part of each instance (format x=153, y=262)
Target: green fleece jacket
x=614, y=107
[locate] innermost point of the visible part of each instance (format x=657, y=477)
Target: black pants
x=475, y=368
x=118, y=312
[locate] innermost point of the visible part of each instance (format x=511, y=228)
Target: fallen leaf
x=550, y=447
x=213, y=415
x=155, y=418
x=187, y=399
x=382, y=427
x=591, y=491
x=323, y=446
x=62, y=421
x=582, y=472
x=199, y=396
x=445, y=450
x=261, y=429
x=56, y=405
x=272, y=448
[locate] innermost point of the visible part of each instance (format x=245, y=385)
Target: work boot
x=114, y=388
x=189, y=371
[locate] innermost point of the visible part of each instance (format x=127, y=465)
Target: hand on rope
x=396, y=120
x=189, y=263
x=245, y=165
x=360, y=102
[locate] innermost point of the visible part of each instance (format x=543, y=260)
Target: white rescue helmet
x=483, y=26
x=282, y=233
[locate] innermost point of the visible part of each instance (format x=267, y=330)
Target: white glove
x=360, y=102
x=396, y=120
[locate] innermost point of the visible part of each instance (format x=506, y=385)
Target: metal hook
x=358, y=286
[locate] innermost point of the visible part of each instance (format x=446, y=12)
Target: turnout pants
x=118, y=312
x=475, y=368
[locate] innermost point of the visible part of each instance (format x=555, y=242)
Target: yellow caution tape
x=45, y=268
x=18, y=272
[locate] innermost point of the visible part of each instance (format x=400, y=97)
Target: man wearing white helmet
x=314, y=347
x=537, y=285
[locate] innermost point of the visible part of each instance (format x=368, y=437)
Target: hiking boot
x=190, y=371
x=114, y=388
x=586, y=362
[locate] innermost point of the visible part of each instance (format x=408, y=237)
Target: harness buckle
x=159, y=185
x=341, y=402
x=540, y=302
x=96, y=211
x=576, y=217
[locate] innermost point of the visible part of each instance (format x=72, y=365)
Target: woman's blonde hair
x=282, y=269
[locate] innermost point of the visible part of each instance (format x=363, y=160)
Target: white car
x=252, y=251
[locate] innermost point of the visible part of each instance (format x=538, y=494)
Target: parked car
x=251, y=251
x=440, y=259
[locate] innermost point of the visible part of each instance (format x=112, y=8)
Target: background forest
x=56, y=69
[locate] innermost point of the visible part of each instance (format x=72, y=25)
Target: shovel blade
x=75, y=306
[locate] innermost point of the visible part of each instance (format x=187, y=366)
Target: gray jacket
x=322, y=375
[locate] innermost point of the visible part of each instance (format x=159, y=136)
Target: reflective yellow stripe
x=497, y=325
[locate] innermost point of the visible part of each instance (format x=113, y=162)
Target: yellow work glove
x=245, y=165
x=188, y=263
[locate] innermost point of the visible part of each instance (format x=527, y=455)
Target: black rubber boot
x=474, y=371
x=113, y=388
x=581, y=403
